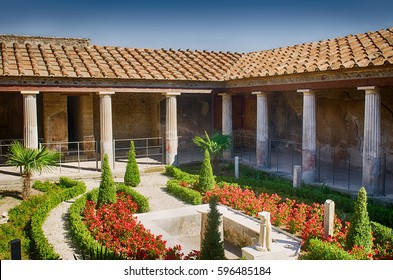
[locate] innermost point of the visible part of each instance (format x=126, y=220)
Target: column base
x=262, y=151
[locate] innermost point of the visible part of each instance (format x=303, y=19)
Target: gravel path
x=56, y=226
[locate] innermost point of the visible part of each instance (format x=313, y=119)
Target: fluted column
x=30, y=127
x=227, y=121
x=171, y=128
x=372, y=140
x=309, y=147
x=106, y=126
x=262, y=142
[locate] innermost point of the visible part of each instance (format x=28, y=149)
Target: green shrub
x=359, y=232
x=206, y=179
x=143, y=202
x=80, y=233
x=178, y=174
x=132, y=177
x=212, y=247
x=67, y=182
x=43, y=250
x=107, y=189
x=185, y=194
x=320, y=250
x=43, y=186
x=381, y=233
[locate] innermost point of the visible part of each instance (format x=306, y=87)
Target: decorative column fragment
x=309, y=147
x=106, y=128
x=262, y=143
x=30, y=127
x=171, y=128
x=227, y=121
x=372, y=140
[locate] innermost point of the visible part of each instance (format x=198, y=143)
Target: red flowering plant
x=114, y=226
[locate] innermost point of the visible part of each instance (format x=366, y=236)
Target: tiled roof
x=362, y=50
x=75, y=58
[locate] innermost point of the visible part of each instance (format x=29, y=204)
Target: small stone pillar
x=309, y=147
x=372, y=141
x=265, y=234
x=106, y=126
x=227, y=121
x=171, y=139
x=30, y=127
x=297, y=176
x=328, y=218
x=262, y=141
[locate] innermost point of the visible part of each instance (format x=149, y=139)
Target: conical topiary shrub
x=107, y=189
x=206, y=179
x=132, y=177
x=359, y=232
x=212, y=247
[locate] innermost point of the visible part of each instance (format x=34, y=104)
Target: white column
x=106, y=126
x=227, y=121
x=262, y=143
x=309, y=147
x=372, y=140
x=30, y=127
x=171, y=128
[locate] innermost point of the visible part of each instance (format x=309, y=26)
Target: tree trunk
x=26, y=191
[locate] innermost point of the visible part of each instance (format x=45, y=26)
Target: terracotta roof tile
x=62, y=57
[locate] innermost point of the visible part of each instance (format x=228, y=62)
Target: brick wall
x=55, y=118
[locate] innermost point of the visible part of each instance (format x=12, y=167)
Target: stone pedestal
x=372, y=141
x=106, y=126
x=297, y=174
x=227, y=121
x=328, y=218
x=262, y=141
x=30, y=131
x=171, y=138
x=309, y=149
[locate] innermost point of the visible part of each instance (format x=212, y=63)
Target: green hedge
x=143, y=202
x=185, y=194
x=18, y=227
x=178, y=174
x=381, y=233
x=320, y=250
x=80, y=232
x=44, y=250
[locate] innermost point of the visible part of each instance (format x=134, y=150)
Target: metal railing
x=151, y=150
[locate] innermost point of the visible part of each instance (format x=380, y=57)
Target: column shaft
x=30, y=131
x=227, y=121
x=372, y=140
x=309, y=147
x=262, y=141
x=106, y=126
x=171, y=128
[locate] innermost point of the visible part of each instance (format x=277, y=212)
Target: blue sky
x=240, y=26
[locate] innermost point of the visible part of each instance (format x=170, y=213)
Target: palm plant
x=216, y=145
x=31, y=160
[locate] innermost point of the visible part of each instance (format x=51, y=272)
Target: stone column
x=309, y=147
x=171, y=128
x=372, y=140
x=30, y=127
x=106, y=126
x=262, y=143
x=227, y=121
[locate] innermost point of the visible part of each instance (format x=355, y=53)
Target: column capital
x=105, y=93
x=29, y=92
x=259, y=93
x=171, y=93
x=225, y=95
x=306, y=91
x=369, y=89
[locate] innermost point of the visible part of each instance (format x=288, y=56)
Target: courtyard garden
x=104, y=226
